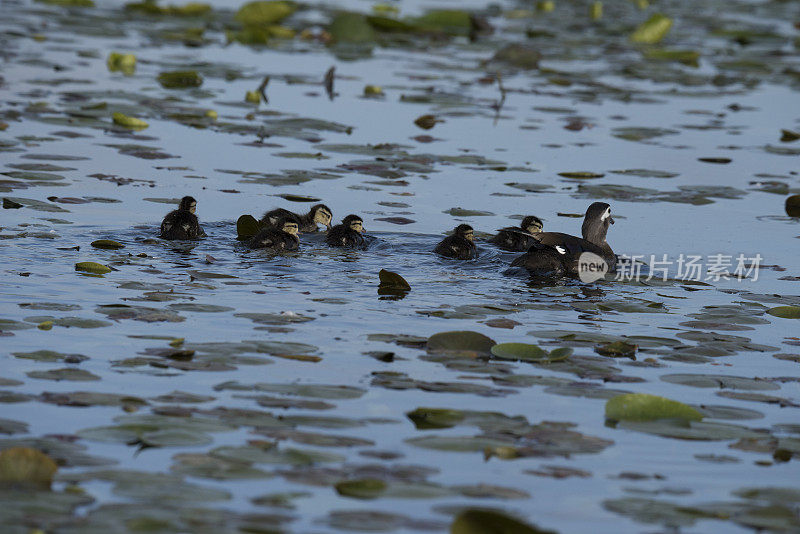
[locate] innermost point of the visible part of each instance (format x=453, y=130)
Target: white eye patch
x=606, y=215
x=561, y=250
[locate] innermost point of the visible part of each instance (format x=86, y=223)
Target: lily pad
x=785, y=312
x=67, y=373
x=464, y=341
x=128, y=122
x=527, y=352
x=617, y=349
x=264, y=12
x=26, y=467
x=644, y=407
x=180, y=79
x=92, y=267
x=365, y=488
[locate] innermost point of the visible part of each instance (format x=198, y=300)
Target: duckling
x=182, y=223
x=460, y=245
x=318, y=214
x=282, y=236
x=541, y=257
x=347, y=234
x=518, y=239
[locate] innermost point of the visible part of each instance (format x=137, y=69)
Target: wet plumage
x=281, y=237
x=518, y=238
x=318, y=214
x=348, y=233
x=460, y=245
x=182, y=223
x=553, y=246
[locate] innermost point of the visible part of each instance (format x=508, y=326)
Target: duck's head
x=188, y=204
x=288, y=225
x=532, y=224
x=465, y=231
x=354, y=222
x=596, y=222
x=321, y=214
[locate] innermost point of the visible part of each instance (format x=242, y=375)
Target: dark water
x=203, y=387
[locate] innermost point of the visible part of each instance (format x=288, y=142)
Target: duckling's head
x=354, y=222
x=596, y=222
x=288, y=225
x=188, y=204
x=465, y=231
x=322, y=214
x=532, y=224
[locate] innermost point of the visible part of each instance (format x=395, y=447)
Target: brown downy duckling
x=347, y=234
x=569, y=248
x=182, y=223
x=280, y=237
x=318, y=214
x=460, y=245
x=518, y=238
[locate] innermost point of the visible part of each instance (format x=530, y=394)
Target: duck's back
x=512, y=239
x=344, y=236
x=181, y=224
x=456, y=247
x=272, y=217
x=270, y=238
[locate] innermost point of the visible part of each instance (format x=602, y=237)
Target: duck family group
x=545, y=253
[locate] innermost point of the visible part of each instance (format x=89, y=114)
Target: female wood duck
x=280, y=237
x=347, y=234
x=318, y=214
x=460, y=245
x=182, y=223
x=518, y=239
x=553, y=246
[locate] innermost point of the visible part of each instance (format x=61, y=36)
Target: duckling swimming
x=460, y=245
x=347, y=234
x=518, y=239
x=182, y=223
x=553, y=246
x=282, y=236
x=318, y=214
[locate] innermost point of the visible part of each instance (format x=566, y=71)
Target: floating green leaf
x=429, y=418
x=652, y=30
x=264, y=12
x=180, y=79
x=24, y=466
x=92, y=267
x=687, y=57
x=348, y=27
x=461, y=341
x=128, y=122
x=785, y=312
x=364, y=488
x=518, y=55
x=125, y=63
x=519, y=352
x=644, y=407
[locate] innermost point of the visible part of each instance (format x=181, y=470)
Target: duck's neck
x=594, y=234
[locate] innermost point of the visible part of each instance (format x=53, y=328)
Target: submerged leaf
x=429, y=418
x=617, y=349
x=644, y=407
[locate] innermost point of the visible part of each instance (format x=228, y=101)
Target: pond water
x=203, y=387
